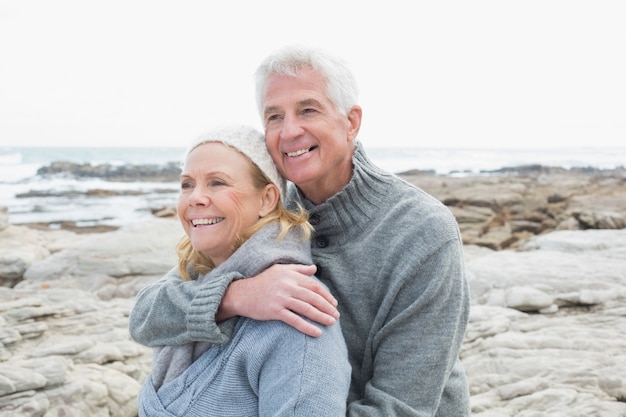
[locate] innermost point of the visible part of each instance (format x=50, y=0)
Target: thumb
x=306, y=269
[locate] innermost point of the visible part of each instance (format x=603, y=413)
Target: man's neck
x=319, y=192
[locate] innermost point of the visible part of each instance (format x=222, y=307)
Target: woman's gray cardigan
x=266, y=368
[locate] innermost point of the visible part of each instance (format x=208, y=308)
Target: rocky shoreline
x=504, y=208
x=120, y=173
x=496, y=209
x=545, y=251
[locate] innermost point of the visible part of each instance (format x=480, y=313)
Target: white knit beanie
x=249, y=142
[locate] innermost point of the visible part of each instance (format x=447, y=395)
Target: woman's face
x=218, y=199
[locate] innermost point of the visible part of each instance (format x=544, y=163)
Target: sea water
x=18, y=175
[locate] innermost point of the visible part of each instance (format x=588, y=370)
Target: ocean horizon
x=32, y=198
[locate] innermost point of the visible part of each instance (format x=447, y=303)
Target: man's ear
x=269, y=199
x=354, y=119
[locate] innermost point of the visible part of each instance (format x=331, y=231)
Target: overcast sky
x=470, y=74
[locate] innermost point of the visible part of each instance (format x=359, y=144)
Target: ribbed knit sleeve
x=172, y=312
x=201, y=324
x=175, y=312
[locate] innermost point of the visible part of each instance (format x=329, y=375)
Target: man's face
x=309, y=140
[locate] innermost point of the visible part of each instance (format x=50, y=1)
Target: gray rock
x=567, y=361
x=20, y=247
x=77, y=359
x=114, y=264
x=547, y=335
x=4, y=218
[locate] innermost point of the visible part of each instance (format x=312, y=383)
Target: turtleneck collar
x=354, y=206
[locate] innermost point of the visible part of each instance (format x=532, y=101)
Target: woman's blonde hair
x=192, y=263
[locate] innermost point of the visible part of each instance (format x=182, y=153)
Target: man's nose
x=292, y=128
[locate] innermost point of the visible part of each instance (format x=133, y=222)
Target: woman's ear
x=269, y=199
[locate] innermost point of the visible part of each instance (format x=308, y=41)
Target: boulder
x=114, y=264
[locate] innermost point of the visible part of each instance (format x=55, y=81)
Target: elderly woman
x=231, y=211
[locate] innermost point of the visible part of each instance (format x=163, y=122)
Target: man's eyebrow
x=309, y=102
x=270, y=109
x=300, y=104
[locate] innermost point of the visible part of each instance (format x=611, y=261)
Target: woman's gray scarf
x=254, y=256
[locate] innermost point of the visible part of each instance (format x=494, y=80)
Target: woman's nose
x=199, y=197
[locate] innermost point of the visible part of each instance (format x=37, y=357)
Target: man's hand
x=282, y=292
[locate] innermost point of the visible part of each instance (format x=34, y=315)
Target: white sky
x=470, y=74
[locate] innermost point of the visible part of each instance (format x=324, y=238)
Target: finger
x=312, y=292
x=300, y=324
x=307, y=270
x=312, y=313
